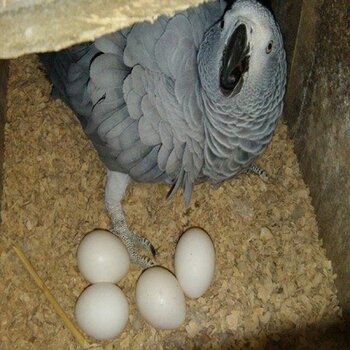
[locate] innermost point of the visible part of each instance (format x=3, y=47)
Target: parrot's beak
x=235, y=62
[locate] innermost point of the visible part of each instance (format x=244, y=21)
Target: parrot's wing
x=110, y=127
x=163, y=92
x=147, y=112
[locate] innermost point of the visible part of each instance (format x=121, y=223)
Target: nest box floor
x=274, y=286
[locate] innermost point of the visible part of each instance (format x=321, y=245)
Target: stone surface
x=3, y=82
x=53, y=25
x=287, y=14
x=317, y=110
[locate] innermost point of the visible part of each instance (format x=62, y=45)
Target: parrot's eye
x=269, y=47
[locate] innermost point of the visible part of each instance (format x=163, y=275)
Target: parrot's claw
x=255, y=169
x=133, y=242
x=144, y=243
x=143, y=261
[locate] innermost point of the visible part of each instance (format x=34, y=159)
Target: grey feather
x=106, y=71
x=113, y=43
x=166, y=135
x=173, y=163
x=149, y=136
x=131, y=156
x=145, y=165
x=163, y=156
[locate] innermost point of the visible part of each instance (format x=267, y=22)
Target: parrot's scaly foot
x=131, y=240
x=255, y=169
x=115, y=188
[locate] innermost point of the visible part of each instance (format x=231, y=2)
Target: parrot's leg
x=255, y=169
x=114, y=192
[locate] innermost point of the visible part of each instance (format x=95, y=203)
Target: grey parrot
x=186, y=99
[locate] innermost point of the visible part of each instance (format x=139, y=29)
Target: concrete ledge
x=44, y=25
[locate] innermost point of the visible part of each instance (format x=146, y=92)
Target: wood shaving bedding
x=273, y=288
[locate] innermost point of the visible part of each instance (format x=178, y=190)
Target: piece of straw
x=71, y=326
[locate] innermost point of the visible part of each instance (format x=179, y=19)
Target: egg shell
x=102, y=311
x=102, y=257
x=195, y=262
x=160, y=299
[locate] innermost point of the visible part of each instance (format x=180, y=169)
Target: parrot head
x=253, y=47
x=248, y=57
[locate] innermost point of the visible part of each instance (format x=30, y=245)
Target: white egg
x=160, y=298
x=102, y=257
x=102, y=311
x=195, y=262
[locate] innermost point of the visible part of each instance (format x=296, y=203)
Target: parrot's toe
x=133, y=243
x=144, y=243
x=255, y=169
x=143, y=261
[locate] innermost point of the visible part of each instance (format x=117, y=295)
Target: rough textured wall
x=317, y=110
x=3, y=82
x=287, y=14
x=55, y=24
